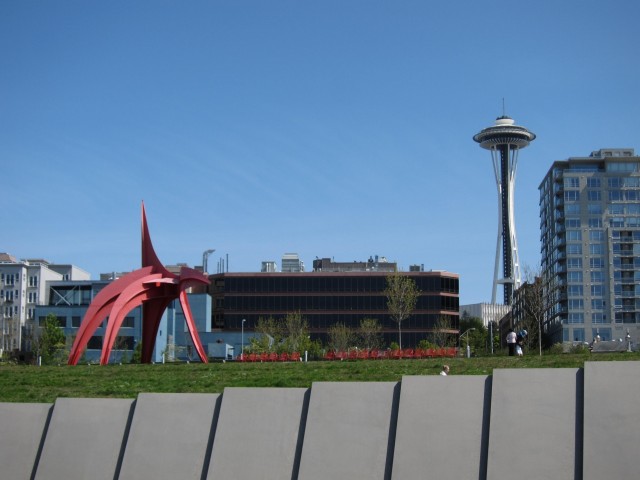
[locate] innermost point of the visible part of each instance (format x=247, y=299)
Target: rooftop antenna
x=503, y=110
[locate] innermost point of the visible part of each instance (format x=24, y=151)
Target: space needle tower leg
x=504, y=140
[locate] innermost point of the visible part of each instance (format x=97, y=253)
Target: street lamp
x=466, y=332
x=242, y=341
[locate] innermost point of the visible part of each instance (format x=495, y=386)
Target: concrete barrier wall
x=534, y=423
x=22, y=430
x=533, y=417
x=442, y=427
x=85, y=439
x=611, y=428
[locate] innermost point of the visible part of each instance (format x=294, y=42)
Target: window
x=575, y=290
x=75, y=322
x=615, y=182
x=128, y=322
x=576, y=317
x=616, y=209
x=576, y=304
x=574, y=235
x=597, y=290
x=574, y=262
x=596, y=235
x=593, y=182
x=599, y=318
x=616, y=222
x=571, y=182
x=596, y=262
x=578, y=334
x=575, y=277
x=574, y=249
x=615, y=195
x=597, y=304
x=596, y=249
x=595, y=223
x=622, y=166
x=594, y=195
x=597, y=276
x=572, y=209
x=572, y=223
x=594, y=209
x=571, y=195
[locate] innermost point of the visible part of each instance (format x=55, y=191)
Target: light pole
x=466, y=332
x=242, y=341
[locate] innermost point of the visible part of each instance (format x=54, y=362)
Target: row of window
x=595, y=276
x=596, y=195
x=577, y=334
x=74, y=322
x=335, y=302
x=9, y=279
x=310, y=284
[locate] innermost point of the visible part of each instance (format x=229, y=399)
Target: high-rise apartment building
x=590, y=245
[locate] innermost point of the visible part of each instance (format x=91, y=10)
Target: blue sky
x=334, y=128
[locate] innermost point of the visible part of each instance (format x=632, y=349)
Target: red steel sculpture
x=151, y=286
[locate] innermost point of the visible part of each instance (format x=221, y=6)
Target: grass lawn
x=20, y=383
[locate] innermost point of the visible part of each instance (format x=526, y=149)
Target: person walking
x=511, y=342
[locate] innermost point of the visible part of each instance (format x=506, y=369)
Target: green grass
x=19, y=383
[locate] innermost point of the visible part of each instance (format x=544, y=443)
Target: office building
x=590, y=245
x=327, y=298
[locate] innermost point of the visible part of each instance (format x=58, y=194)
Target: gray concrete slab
x=257, y=433
x=169, y=436
x=440, y=427
x=348, y=429
x=84, y=439
x=533, y=424
x=611, y=431
x=22, y=426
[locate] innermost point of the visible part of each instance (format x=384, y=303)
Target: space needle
x=504, y=140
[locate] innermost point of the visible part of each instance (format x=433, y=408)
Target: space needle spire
x=504, y=140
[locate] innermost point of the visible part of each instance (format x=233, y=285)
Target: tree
x=50, y=341
x=402, y=295
x=535, y=304
x=477, y=334
x=340, y=337
x=370, y=333
x=296, y=332
x=444, y=335
x=270, y=336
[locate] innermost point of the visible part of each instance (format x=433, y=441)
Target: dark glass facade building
x=327, y=298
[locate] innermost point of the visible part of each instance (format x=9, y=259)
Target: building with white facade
x=23, y=285
x=488, y=312
x=590, y=244
x=291, y=263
